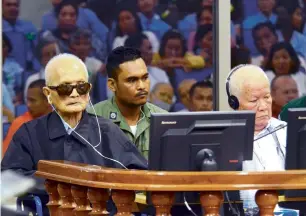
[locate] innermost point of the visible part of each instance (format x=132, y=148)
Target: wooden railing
x=72, y=187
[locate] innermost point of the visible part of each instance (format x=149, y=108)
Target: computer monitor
x=201, y=141
x=296, y=145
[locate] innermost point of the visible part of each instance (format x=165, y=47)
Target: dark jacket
x=45, y=138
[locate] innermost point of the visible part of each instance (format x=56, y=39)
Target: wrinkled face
x=67, y=18
x=163, y=93
x=81, y=48
x=146, y=6
x=183, y=92
x=206, y=18
x=264, y=40
x=48, y=52
x=132, y=85
x=281, y=62
x=297, y=18
x=37, y=102
x=127, y=22
x=266, y=6
x=10, y=9
x=207, y=3
x=202, y=99
x=256, y=96
x=173, y=48
x=71, y=72
x=285, y=90
x=146, y=51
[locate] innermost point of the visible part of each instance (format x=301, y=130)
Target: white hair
x=243, y=73
x=56, y=61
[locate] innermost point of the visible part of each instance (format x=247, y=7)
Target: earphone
x=73, y=130
x=233, y=101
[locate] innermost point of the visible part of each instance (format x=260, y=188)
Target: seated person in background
x=67, y=14
x=265, y=14
x=201, y=97
x=283, y=60
x=80, y=45
x=150, y=20
x=283, y=90
x=69, y=132
x=37, y=105
x=183, y=95
x=12, y=71
x=265, y=36
x=240, y=55
x=128, y=78
x=203, y=43
x=129, y=25
x=142, y=42
x=44, y=51
x=86, y=19
x=297, y=103
x=251, y=87
x=162, y=95
x=298, y=19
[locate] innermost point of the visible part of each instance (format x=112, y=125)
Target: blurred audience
x=37, y=105
x=283, y=60
x=283, y=90
x=183, y=93
x=162, y=95
x=240, y=55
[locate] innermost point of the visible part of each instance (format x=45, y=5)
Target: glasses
x=66, y=89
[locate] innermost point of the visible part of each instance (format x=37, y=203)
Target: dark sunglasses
x=66, y=89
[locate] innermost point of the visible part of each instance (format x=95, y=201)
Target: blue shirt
x=251, y=21
x=22, y=36
x=298, y=42
x=87, y=19
x=156, y=25
x=7, y=100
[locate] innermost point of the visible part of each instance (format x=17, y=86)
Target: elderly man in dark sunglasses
x=69, y=132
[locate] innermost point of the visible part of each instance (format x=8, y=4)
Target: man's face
x=297, y=18
x=146, y=51
x=131, y=87
x=37, y=102
x=202, y=99
x=207, y=3
x=285, y=90
x=173, y=48
x=55, y=2
x=69, y=72
x=264, y=40
x=255, y=96
x=67, y=18
x=10, y=9
x=127, y=22
x=81, y=48
x=164, y=93
x=146, y=6
x=206, y=18
x=266, y=6
x=48, y=52
x=183, y=92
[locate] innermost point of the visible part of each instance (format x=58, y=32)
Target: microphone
x=271, y=132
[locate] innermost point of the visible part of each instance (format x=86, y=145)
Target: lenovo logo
x=168, y=122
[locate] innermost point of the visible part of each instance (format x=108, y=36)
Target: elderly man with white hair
x=248, y=88
x=69, y=132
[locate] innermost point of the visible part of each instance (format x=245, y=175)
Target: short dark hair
x=240, y=55
x=200, y=84
x=172, y=34
x=134, y=14
x=259, y=26
x=293, y=55
x=119, y=56
x=64, y=3
x=38, y=84
x=78, y=34
x=199, y=13
x=201, y=32
x=7, y=41
x=135, y=41
x=272, y=85
x=40, y=46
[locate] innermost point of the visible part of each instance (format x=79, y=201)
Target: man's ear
x=46, y=91
x=111, y=83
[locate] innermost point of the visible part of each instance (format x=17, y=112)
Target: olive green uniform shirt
x=296, y=103
x=109, y=110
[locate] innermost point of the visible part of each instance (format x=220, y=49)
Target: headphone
x=233, y=101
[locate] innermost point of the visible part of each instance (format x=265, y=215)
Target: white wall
x=32, y=10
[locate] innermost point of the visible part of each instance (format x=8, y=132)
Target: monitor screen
x=296, y=145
